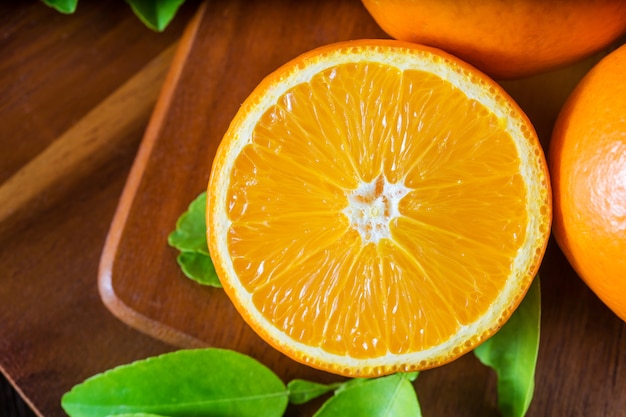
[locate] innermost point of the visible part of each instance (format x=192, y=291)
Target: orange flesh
x=446, y=253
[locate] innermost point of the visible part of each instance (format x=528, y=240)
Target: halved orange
x=377, y=206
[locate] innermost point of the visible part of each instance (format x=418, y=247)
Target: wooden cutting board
x=227, y=49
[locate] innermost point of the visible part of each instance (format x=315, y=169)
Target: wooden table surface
x=77, y=95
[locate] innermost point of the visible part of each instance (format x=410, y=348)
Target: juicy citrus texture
x=506, y=39
x=588, y=163
x=377, y=206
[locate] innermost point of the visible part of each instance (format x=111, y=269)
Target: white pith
x=372, y=206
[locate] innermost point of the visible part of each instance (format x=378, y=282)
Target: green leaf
x=388, y=396
x=183, y=383
x=190, y=232
x=199, y=268
x=512, y=353
x=411, y=376
x=63, y=6
x=156, y=14
x=189, y=238
x=302, y=391
x=350, y=384
x=136, y=415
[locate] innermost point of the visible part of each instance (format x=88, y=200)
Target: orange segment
x=377, y=206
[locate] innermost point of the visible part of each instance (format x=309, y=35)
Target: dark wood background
x=77, y=93
x=54, y=69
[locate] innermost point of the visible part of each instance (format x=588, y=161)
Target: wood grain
x=85, y=146
x=11, y=404
x=54, y=69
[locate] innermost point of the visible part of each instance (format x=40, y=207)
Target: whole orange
x=588, y=170
x=506, y=39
